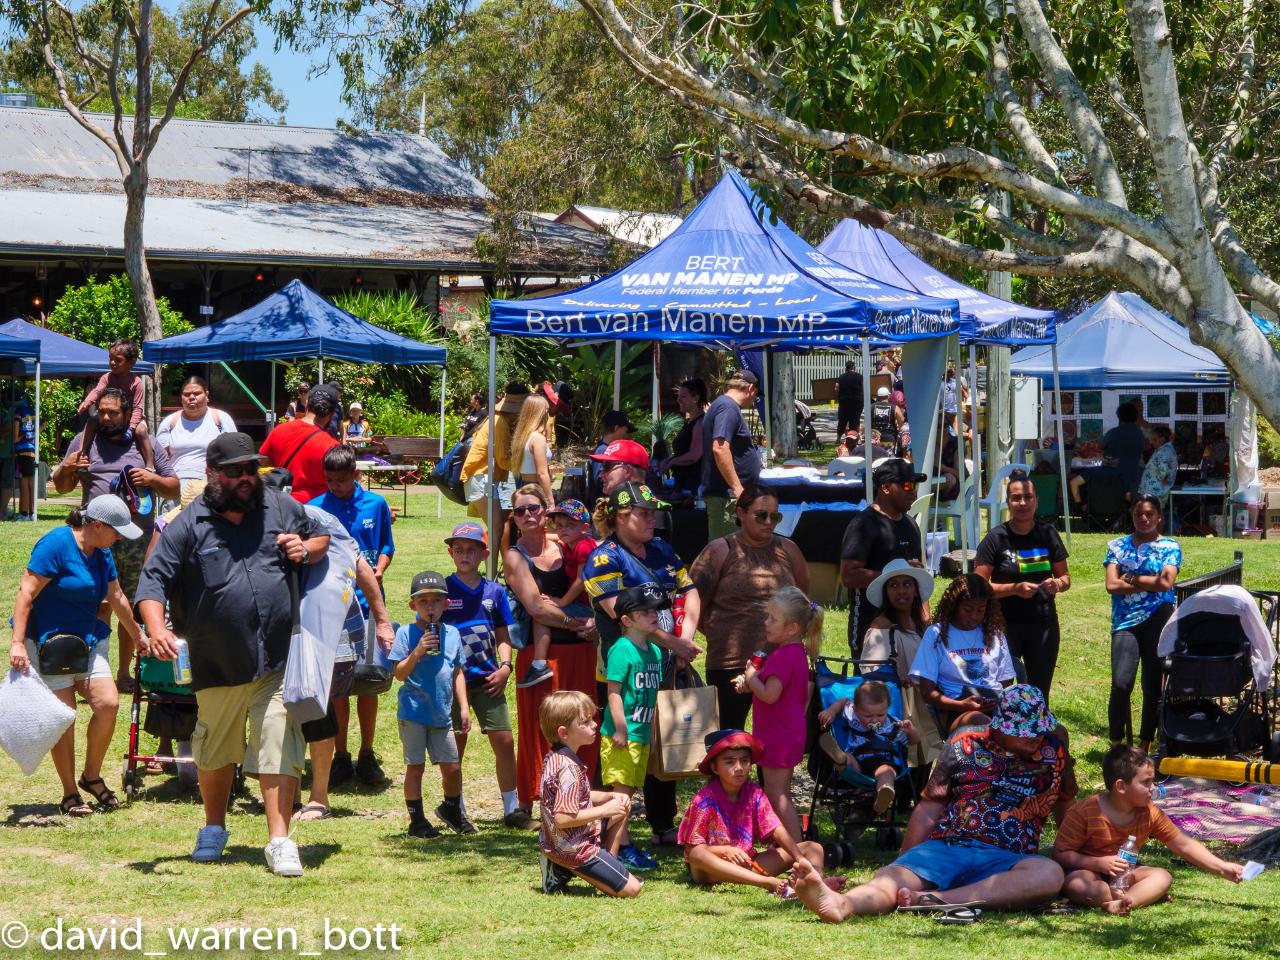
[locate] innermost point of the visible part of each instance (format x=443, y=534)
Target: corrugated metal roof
x=48, y=222
x=51, y=143
x=632, y=226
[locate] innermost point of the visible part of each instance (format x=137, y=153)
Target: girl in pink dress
x=780, y=694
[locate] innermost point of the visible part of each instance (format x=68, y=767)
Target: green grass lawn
x=478, y=896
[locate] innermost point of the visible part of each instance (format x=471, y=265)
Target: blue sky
x=313, y=102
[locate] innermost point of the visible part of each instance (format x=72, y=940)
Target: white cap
x=882, y=392
x=109, y=509
x=355, y=405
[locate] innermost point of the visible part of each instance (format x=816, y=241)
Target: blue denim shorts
x=951, y=865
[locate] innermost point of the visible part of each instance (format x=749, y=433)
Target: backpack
x=447, y=473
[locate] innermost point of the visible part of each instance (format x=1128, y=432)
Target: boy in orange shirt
x=1095, y=829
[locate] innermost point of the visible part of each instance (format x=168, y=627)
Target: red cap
x=624, y=451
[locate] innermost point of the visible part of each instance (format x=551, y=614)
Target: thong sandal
x=101, y=792
x=312, y=811
x=73, y=805
x=943, y=912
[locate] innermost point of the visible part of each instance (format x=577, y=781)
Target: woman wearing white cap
x=356, y=430
x=901, y=593
x=886, y=419
x=68, y=577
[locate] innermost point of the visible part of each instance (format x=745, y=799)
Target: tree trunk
x=783, y=399
x=135, y=266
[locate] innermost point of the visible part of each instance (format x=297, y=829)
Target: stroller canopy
x=1236, y=602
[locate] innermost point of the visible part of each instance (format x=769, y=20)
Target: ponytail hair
x=795, y=607
x=76, y=518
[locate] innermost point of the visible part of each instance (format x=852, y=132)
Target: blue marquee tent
x=62, y=356
x=730, y=276
x=883, y=257
x=292, y=322
x=15, y=347
x=1122, y=341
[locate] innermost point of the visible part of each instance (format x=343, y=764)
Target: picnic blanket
x=1218, y=812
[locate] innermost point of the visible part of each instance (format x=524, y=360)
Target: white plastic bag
x=328, y=586
x=32, y=719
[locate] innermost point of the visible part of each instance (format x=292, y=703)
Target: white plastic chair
x=919, y=512
x=995, y=502
x=846, y=467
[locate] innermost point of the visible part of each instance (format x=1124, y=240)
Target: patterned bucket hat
x=574, y=509
x=1022, y=712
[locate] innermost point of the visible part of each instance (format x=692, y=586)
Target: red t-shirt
x=300, y=447
x=575, y=558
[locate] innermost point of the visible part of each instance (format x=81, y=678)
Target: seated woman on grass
x=730, y=815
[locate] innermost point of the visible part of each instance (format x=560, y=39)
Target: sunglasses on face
x=234, y=471
x=908, y=485
x=533, y=509
x=619, y=463
x=767, y=516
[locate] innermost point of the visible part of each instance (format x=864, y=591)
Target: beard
x=235, y=497
x=111, y=432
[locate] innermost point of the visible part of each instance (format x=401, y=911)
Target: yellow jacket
x=478, y=456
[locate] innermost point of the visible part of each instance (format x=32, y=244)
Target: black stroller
x=845, y=798
x=806, y=428
x=1219, y=698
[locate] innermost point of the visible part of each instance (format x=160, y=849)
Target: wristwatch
x=306, y=556
x=505, y=663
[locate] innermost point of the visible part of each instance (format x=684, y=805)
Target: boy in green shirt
x=633, y=672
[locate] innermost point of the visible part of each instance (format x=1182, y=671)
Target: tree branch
x=957, y=162
x=180, y=83
x=1075, y=102
x=1004, y=225
x=1127, y=113
x=1016, y=117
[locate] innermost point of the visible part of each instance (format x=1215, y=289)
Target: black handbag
x=63, y=654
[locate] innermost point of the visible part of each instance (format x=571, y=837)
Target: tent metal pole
x=964, y=499
x=247, y=392
x=768, y=406
x=271, y=417
x=443, y=385
x=490, y=489
x=653, y=401
x=1062, y=445
x=320, y=376
x=36, y=490
x=617, y=374
x=977, y=444
x=868, y=491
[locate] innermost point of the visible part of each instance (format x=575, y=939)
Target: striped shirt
x=1090, y=832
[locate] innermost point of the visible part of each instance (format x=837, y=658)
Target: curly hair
x=969, y=586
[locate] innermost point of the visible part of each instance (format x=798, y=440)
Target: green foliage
x=590, y=370
x=648, y=430
x=1268, y=444
x=222, y=85
x=99, y=312
x=58, y=402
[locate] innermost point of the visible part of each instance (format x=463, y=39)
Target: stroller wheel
x=833, y=854
x=1273, y=748
x=129, y=780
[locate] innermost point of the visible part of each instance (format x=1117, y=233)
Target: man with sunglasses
x=881, y=533
x=731, y=460
x=223, y=567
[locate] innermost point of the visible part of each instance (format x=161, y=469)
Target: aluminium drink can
x=182, y=663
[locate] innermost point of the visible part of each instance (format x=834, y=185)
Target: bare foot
x=816, y=895
x=1121, y=907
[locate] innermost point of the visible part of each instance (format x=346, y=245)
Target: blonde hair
x=560, y=709
x=795, y=607
x=533, y=419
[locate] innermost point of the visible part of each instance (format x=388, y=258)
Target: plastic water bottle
x=1159, y=792
x=1129, y=854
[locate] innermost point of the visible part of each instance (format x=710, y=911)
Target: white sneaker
x=210, y=842
x=283, y=859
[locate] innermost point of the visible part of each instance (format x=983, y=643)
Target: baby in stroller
x=876, y=742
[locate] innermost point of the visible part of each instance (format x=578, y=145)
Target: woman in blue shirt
x=1141, y=569
x=69, y=577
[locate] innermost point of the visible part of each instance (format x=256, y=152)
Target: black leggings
x=1129, y=648
x=1034, y=648
x=734, y=706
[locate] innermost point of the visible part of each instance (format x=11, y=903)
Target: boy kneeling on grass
x=572, y=811
x=1095, y=829
x=730, y=814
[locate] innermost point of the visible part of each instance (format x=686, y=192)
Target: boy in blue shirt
x=479, y=609
x=427, y=659
x=366, y=516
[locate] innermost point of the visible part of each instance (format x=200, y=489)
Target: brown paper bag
x=682, y=719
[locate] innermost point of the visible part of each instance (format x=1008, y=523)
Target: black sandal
x=73, y=805
x=106, y=798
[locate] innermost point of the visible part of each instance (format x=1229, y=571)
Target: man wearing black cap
x=731, y=461
x=881, y=533
x=223, y=567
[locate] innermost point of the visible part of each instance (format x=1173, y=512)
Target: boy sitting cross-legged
x=1095, y=829
x=572, y=811
x=427, y=659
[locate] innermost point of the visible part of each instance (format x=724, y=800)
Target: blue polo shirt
x=77, y=585
x=366, y=516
